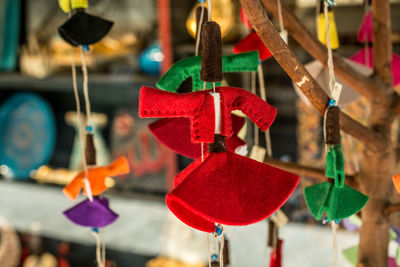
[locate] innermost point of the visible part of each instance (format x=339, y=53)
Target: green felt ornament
x=190, y=67
x=338, y=200
x=351, y=255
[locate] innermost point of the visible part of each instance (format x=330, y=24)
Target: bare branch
x=297, y=72
x=365, y=86
x=306, y=171
x=392, y=208
x=382, y=40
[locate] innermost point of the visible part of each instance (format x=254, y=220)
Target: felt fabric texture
x=366, y=57
x=275, y=256
x=229, y=189
x=199, y=108
x=90, y=150
x=332, y=126
x=252, y=43
x=334, y=164
x=92, y=214
x=211, y=52
x=365, y=33
x=84, y=29
x=322, y=30
x=396, y=182
x=67, y=5
x=190, y=68
x=174, y=133
x=337, y=202
x=96, y=177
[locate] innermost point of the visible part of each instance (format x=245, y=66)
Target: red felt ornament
x=244, y=18
x=229, y=189
x=250, y=43
x=199, y=108
x=276, y=255
x=174, y=133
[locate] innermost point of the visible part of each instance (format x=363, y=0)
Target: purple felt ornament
x=94, y=213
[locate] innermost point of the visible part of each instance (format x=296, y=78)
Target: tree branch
x=306, y=171
x=365, y=86
x=297, y=72
x=382, y=40
x=392, y=208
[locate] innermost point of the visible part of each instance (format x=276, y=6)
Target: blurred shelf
x=122, y=89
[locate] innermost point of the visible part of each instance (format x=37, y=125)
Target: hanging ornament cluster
x=365, y=56
x=82, y=29
x=220, y=186
x=336, y=199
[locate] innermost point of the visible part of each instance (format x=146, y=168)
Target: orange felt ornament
x=396, y=182
x=96, y=177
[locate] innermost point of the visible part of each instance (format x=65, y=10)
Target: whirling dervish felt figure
x=82, y=28
x=365, y=56
x=96, y=177
x=94, y=213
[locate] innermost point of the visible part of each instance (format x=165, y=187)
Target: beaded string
x=209, y=11
x=335, y=90
x=99, y=256
x=79, y=119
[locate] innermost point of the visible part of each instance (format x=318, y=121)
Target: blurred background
x=39, y=149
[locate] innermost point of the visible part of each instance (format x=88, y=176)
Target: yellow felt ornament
x=322, y=31
x=67, y=5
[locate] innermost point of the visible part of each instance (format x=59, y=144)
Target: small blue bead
x=218, y=230
x=337, y=221
x=202, y=1
x=85, y=47
x=94, y=229
x=89, y=128
x=214, y=257
x=331, y=102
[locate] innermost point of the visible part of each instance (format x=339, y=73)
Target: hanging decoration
x=82, y=29
x=365, y=56
x=323, y=31
x=336, y=199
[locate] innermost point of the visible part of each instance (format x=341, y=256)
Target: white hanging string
x=221, y=249
x=79, y=125
x=280, y=15
x=85, y=88
x=196, y=53
x=366, y=50
x=208, y=247
x=98, y=249
x=209, y=10
x=264, y=97
x=334, y=234
x=103, y=248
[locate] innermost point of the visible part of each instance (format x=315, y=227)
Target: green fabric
x=334, y=164
x=398, y=255
x=190, y=67
x=351, y=255
x=356, y=220
x=337, y=202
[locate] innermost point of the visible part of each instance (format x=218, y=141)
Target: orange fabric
x=96, y=177
x=396, y=182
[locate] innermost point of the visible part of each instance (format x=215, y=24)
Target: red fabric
x=365, y=32
x=244, y=18
x=199, y=108
x=275, y=257
x=229, y=189
x=250, y=43
x=174, y=133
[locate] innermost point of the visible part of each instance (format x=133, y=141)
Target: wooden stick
x=297, y=72
x=365, y=86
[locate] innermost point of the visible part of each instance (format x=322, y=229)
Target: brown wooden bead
x=218, y=145
x=90, y=150
x=211, y=62
x=332, y=126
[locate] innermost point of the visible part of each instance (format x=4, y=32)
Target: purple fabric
x=92, y=214
x=397, y=231
x=349, y=226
